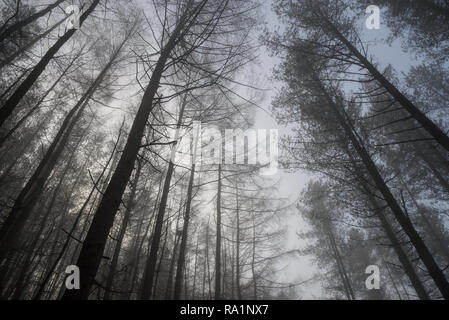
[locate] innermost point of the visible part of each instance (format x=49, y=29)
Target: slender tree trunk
x=195, y=267
x=183, y=245
x=138, y=253
x=218, y=241
x=253, y=261
x=232, y=268
x=392, y=281
x=209, y=278
x=185, y=229
x=161, y=258
x=341, y=267
x=237, y=244
x=224, y=258
x=203, y=282
x=169, y=288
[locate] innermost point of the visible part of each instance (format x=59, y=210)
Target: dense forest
x=137, y=161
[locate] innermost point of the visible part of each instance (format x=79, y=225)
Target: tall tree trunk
x=183, y=245
x=395, y=287
x=209, y=278
x=138, y=253
x=9, y=106
x=253, y=261
x=218, y=241
x=195, y=267
x=122, y=231
x=185, y=229
x=340, y=266
x=169, y=287
x=161, y=258
x=237, y=244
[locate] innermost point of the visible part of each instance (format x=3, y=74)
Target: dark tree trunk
x=161, y=258
x=392, y=280
x=253, y=261
x=237, y=244
x=183, y=245
x=195, y=268
x=169, y=288
x=218, y=241
x=122, y=231
x=138, y=252
x=341, y=267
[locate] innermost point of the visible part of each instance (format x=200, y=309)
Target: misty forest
x=224, y=149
